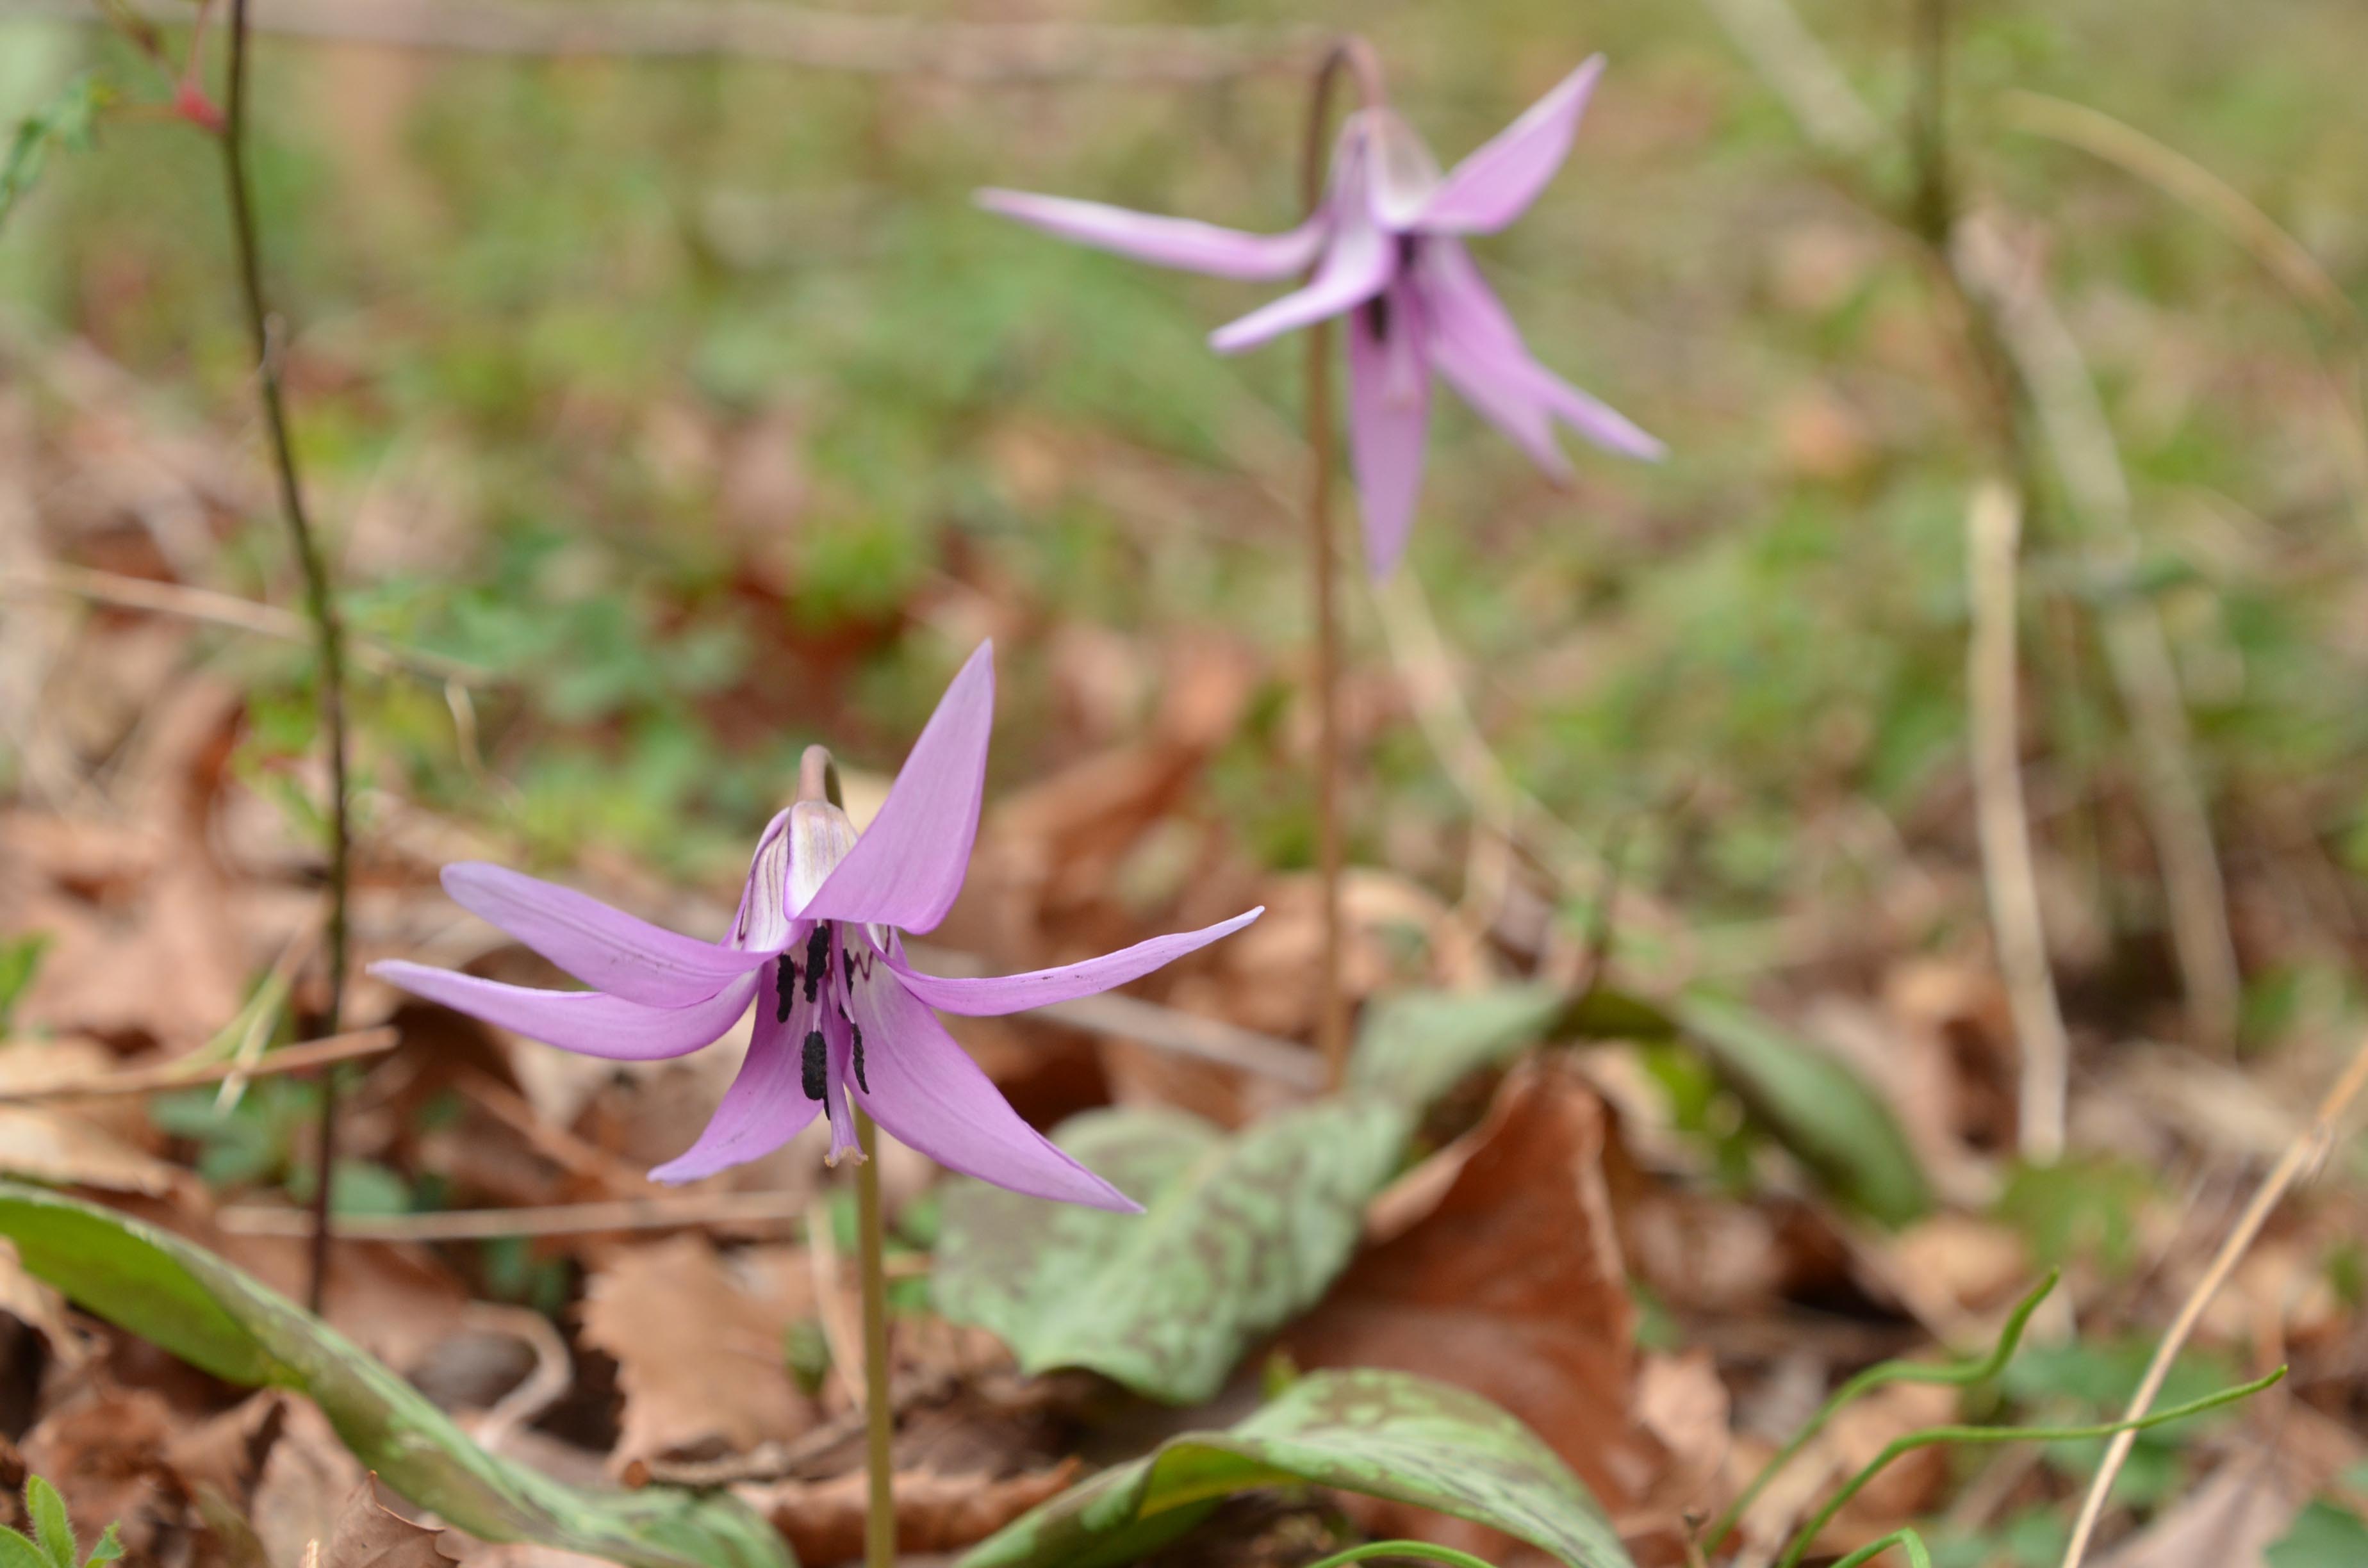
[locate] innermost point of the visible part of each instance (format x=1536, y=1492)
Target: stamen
x=814, y=1066
x=817, y=959
x=1377, y=316
x=785, y=974
x=859, y=1056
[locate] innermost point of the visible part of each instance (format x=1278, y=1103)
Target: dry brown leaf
x=721, y=1390
x=303, y=1486
x=822, y=1520
x=56, y=1146
x=368, y=1534
x=105, y=1450
x=1511, y=1285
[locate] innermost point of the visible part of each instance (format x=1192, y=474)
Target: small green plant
x=51, y=1544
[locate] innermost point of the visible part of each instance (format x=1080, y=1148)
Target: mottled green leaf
x=64, y=121
x=199, y=1308
x=1242, y=1231
x=1384, y=1433
x=1414, y=1046
x=1814, y=1105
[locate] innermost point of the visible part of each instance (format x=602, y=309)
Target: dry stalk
x=2303, y=1155
x=1991, y=526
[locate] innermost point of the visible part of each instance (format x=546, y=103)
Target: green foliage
x=1242, y=1231
x=1384, y=1433
x=53, y=1543
x=1412, y=1046
x=2105, y=1376
x=2080, y=1208
x=20, y=960
x=1831, y=1122
x=2324, y=1534
x=66, y=121
x=193, y=1305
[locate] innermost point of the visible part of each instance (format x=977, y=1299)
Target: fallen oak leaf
x=368, y=1534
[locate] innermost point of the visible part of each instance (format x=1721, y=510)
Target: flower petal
x=988, y=996
x=930, y=1094
x=1472, y=342
x=1593, y=418
x=1497, y=184
x=1389, y=419
x=590, y=1023
x=1166, y=241
x=764, y=1109
x=907, y=866
x=763, y=922
x=1359, y=258
x=605, y=948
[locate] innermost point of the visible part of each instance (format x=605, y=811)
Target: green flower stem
x=879, y=1419
x=1962, y=1374
x=1908, y=1541
x=1930, y=1435
x=320, y=607
x=1424, y=1549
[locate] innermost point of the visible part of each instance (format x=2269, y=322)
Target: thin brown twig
x=984, y=54
x=2303, y=1155
x=1991, y=526
x=311, y=1055
x=1331, y=1010
x=320, y=606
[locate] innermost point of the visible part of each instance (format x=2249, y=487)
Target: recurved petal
x=908, y=865
x=1474, y=344
x=590, y=1023
x=605, y=948
x=1389, y=419
x=1593, y=418
x=764, y=1109
x=926, y=1090
x=1497, y=184
x=984, y=997
x=1184, y=242
x=1359, y=258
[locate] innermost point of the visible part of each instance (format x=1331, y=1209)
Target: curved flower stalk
x=842, y=1019
x=1386, y=246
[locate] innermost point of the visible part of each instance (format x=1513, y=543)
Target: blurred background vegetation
x=694, y=399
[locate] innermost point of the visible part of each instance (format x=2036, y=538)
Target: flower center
x=828, y=991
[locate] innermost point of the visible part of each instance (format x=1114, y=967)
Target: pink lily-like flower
x=1387, y=249
x=815, y=947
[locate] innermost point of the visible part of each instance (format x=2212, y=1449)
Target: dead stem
x=1331, y=1015
x=320, y=606
x=1991, y=526
x=2302, y=1155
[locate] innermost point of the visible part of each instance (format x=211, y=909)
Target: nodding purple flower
x=841, y=1015
x=1387, y=252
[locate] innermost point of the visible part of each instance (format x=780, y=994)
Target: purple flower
x=815, y=947
x=1385, y=246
